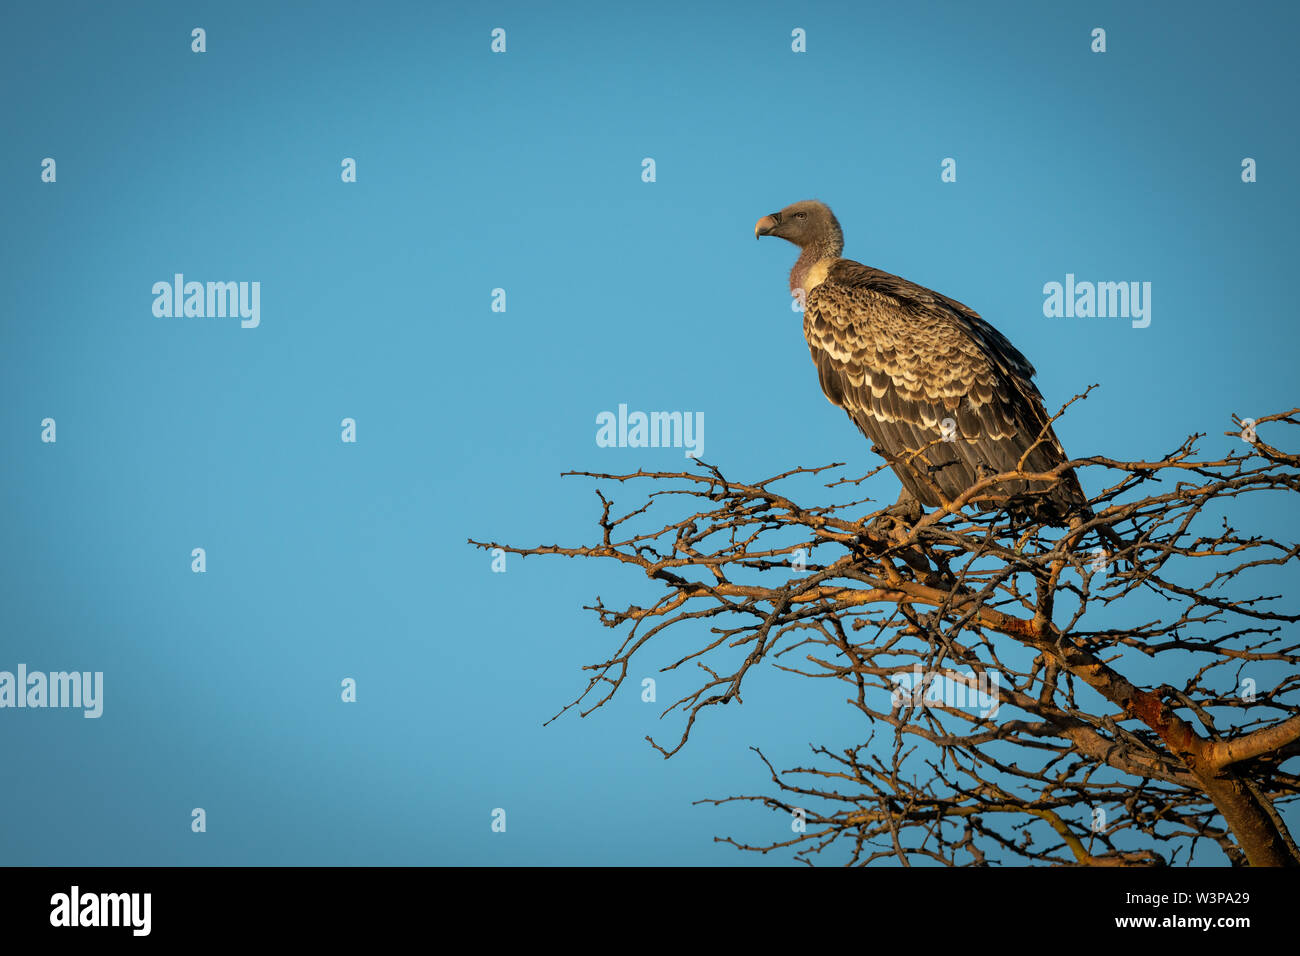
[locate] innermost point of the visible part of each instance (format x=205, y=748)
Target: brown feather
x=900, y=359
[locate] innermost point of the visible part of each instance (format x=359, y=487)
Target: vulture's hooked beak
x=767, y=225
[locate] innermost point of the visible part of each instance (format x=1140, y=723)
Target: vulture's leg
x=897, y=518
x=907, y=507
x=906, y=510
x=891, y=527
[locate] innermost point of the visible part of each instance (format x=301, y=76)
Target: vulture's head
x=807, y=223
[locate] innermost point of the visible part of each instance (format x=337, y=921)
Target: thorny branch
x=1073, y=755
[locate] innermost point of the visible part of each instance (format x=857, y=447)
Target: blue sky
x=522, y=171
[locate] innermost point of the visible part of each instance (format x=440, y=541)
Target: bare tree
x=1068, y=755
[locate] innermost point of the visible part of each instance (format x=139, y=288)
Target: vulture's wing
x=900, y=359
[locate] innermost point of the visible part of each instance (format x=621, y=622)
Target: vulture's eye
x=801, y=215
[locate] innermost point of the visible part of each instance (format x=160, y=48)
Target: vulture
x=940, y=393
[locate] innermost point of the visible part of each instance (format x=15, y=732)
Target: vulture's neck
x=806, y=273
